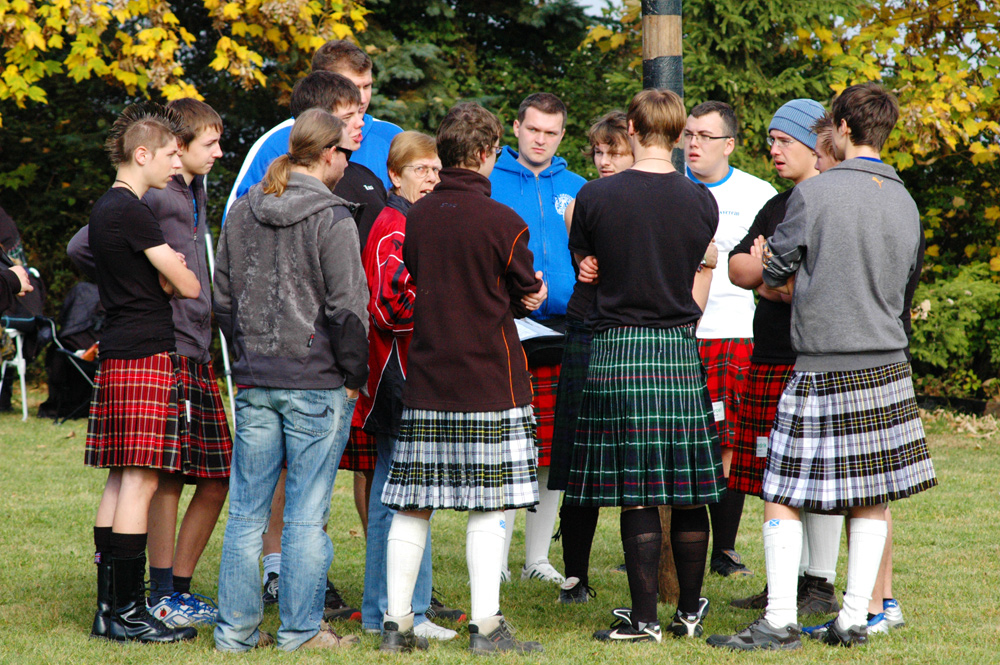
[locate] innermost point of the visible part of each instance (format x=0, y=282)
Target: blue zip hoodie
x=541, y=202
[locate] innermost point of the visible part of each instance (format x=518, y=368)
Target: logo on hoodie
x=561, y=202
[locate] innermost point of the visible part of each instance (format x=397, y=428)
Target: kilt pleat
x=207, y=442
x=482, y=461
x=569, y=396
x=544, y=385
x=136, y=417
x=726, y=364
x=360, y=453
x=844, y=439
x=645, y=432
x=754, y=420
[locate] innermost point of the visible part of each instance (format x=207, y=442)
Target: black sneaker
x=816, y=596
x=760, y=635
x=395, y=640
x=689, y=625
x=728, y=563
x=270, y=594
x=574, y=591
x=622, y=630
x=334, y=607
x=439, y=610
x=758, y=601
x=835, y=636
x=495, y=635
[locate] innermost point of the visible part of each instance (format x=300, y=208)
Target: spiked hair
x=146, y=124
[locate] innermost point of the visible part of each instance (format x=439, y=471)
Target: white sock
x=509, y=516
x=864, y=555
x=539, y=525
x=824, y=544
x=272, y=564
x=804, y=559
x=484, y=553
x=404, y=549
x=782, y=542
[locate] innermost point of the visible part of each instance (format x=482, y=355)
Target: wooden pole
x=663, y=67
x=662, y=55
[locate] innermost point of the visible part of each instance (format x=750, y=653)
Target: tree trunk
x=669, y=589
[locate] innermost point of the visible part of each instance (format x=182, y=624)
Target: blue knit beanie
x=796, y=119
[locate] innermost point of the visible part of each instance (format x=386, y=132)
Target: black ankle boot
x=131, y=621
x=104, y=601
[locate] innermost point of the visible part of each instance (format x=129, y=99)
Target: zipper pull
x=311, y=338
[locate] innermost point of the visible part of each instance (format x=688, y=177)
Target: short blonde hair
x=407, y=147
x=658, y=117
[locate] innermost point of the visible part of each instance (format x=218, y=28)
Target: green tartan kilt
x=645, y=434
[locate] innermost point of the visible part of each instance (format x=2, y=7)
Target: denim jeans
x=376, y=598
x=307, y=429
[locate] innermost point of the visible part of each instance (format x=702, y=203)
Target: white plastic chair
x=19, y=363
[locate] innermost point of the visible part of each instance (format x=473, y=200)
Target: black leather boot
x=104, y=601
x=131, y=621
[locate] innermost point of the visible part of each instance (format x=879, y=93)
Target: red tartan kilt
x=360, y=452
x=208, y=443
x=763, y=389
x=136, y=418
x=726, y=362
x=544, y=385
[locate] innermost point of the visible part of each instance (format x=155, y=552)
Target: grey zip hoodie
x=290, y=291
x=851, y=237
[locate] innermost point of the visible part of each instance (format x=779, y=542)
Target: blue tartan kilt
x=843, y=439
x=645, y=433
x=482, y=461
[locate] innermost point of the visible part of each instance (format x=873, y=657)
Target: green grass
x=947, y=572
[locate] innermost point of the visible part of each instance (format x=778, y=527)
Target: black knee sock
x=689, y=541
x=641, y=536
x=102, y=544
x=726, y=516
x=577, y=525
x=182, y=584
x=127, y=545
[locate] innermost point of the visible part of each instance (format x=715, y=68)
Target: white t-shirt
x=740, y=196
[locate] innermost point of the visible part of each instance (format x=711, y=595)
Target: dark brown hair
x=657, y=116
x=465, y=132
x=611, y=128
x=724, y=110
x=323, y=90
x=146, y=124
x=341, y=55
x=871, y=112
x=196, y=116
x=314, y=132
x=545, y=102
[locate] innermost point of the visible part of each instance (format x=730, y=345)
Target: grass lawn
x=947, y=573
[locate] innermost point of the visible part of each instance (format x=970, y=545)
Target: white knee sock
x=782, y=542
x=539, y=525
x=864, y=555
x=405, y=548
x=509, y=516
x=824, y=544
x=804, y=558
x=483, y=553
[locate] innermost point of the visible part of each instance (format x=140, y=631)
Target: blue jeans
x=376, y=598
x=308, y=429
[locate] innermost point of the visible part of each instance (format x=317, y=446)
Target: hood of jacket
x=304, y=196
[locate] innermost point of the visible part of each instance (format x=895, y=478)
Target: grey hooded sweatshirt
x=851, y=237
x=290, y=291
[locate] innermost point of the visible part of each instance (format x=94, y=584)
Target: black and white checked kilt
x=452, y=460
x=844, y=439
x=645, y=434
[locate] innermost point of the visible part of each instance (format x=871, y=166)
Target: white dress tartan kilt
x=843, y=439
x=483, y=461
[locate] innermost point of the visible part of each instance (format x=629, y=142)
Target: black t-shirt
x=360, y=185
x=649, y=232
x=139, y=317
x=582, y=300
x=772, y=321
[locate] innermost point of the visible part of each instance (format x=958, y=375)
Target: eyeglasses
x=782, y=143
x=691, y=136
x=347, y=152
x=422, y=170
x=498, y=150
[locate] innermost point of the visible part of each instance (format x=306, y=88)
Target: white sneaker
x=504, y=575
x=432, y=631
x=893, y=613
x=542, y=570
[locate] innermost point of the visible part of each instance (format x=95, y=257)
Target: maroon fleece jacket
x=470, y=260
